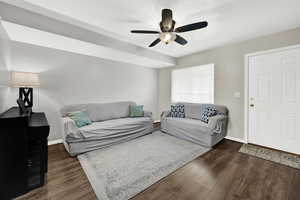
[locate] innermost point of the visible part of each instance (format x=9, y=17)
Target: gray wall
x=68, y=78
x=229, y=73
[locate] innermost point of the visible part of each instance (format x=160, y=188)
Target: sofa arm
x=70, y=128
x=218, y=123
x=148, y=114
x=164, y=114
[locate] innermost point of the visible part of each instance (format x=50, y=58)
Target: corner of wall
x=4, y=66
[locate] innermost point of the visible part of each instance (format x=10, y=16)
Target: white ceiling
x=229, y=20
x=29, y=23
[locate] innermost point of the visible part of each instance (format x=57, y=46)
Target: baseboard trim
x=235, y=139
x=52, y=142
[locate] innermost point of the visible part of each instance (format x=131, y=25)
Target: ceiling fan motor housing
x=167, y=23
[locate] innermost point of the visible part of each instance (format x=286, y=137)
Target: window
x=194, y=84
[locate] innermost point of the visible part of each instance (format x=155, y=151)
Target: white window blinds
x=194, y=84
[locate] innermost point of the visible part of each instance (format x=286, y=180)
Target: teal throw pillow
x=136, y=111
x=80, y=118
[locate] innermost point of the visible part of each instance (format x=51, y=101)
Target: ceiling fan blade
x=144, y=32
x=155, y=42
x=191, y=27
x=180, y=40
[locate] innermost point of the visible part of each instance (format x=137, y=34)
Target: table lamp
x=26, y=81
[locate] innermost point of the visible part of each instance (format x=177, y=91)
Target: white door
x=274, y=100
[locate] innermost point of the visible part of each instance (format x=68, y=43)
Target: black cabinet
x=23, y=152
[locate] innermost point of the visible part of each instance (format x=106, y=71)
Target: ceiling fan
x=168, y=33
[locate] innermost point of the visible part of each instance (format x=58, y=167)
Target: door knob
x=251, y=105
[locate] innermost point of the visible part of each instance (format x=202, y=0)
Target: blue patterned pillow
x=136, y=111
x=177, y=111
x=207, y=113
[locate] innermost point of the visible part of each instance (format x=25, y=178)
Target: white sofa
x=111, y=125
x=191, y=128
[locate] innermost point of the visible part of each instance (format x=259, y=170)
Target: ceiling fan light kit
x=167, y=37
x=168, y=30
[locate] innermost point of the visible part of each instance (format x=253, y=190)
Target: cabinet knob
x=251, y=105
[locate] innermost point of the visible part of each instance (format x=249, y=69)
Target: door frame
x=246, y=83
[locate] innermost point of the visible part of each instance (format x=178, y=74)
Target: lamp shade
x=25, y=79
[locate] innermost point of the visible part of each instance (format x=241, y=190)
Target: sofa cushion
x=187, y=125
x=177, y=111
x=100, y=112
x=207, y=113
x=116, y=127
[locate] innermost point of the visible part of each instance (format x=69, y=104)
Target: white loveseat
x=191, y=128
x=111, y=125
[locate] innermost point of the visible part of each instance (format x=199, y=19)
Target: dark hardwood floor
x=221, y=174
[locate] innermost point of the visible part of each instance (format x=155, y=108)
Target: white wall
x=229, y=73
x=3, y=70
x=4, y=64
x=68, y=78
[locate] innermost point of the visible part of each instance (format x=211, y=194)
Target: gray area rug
x=271, y=155
x=124, y=170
